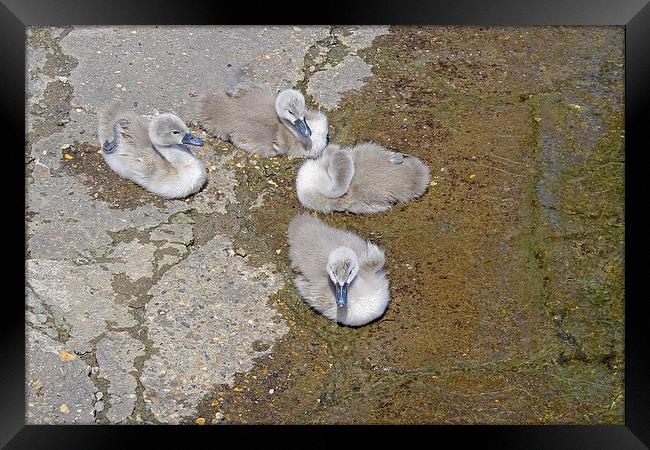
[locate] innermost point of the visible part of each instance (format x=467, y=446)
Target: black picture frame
x=16, y=15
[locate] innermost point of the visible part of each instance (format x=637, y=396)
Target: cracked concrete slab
x=204, y=317
x=80, y=299
x=137, y=259
x=163, y=67
x=357, y=38
x=173, y=232
x=328, y=86
x=170, y=254
x=143, y=310
x=100, y=249
x=336, y=68
x=68, y=222
x=59, y=390
x=116, y=353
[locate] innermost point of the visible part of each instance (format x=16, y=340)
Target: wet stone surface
x=506, y=277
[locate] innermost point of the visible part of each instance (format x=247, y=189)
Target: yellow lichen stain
x=65, y=356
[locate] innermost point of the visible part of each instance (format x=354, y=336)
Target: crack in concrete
x=137, y=303
x=58, y=91
x=322, y=55
x=237, y=223
x=62, y=328
x=101, y=384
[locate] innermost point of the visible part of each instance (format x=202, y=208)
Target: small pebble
x=241, y=252
x=99, y=406
x=271, y=391
x=99, y=395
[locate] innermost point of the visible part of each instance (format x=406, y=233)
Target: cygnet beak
x=341, y=295
x=302, y=128
x=190, y=139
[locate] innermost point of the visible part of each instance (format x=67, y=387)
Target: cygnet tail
x=421, y=176
x=208, y=109
x=341, y=171
x=373, y=258
x=106, y=121
x=232, y=88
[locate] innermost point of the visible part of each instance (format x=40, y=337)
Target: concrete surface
x=506, y=277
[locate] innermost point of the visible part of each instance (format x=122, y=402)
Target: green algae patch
x=506, y=276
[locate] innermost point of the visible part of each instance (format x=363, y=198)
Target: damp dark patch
x=86, y=162
x=483, y=280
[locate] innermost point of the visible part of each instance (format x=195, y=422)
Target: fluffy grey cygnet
x=152, y=153
x=261, y=121
x=362, y=179
x=340, y=275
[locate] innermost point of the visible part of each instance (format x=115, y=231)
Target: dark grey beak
x=341, y=295
x=190, y=139
x=302, y=128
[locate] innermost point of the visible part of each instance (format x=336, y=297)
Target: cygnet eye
x=175, y=132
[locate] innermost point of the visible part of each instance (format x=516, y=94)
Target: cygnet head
x=290, y=108
x=168, y=129
x=342, y=267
